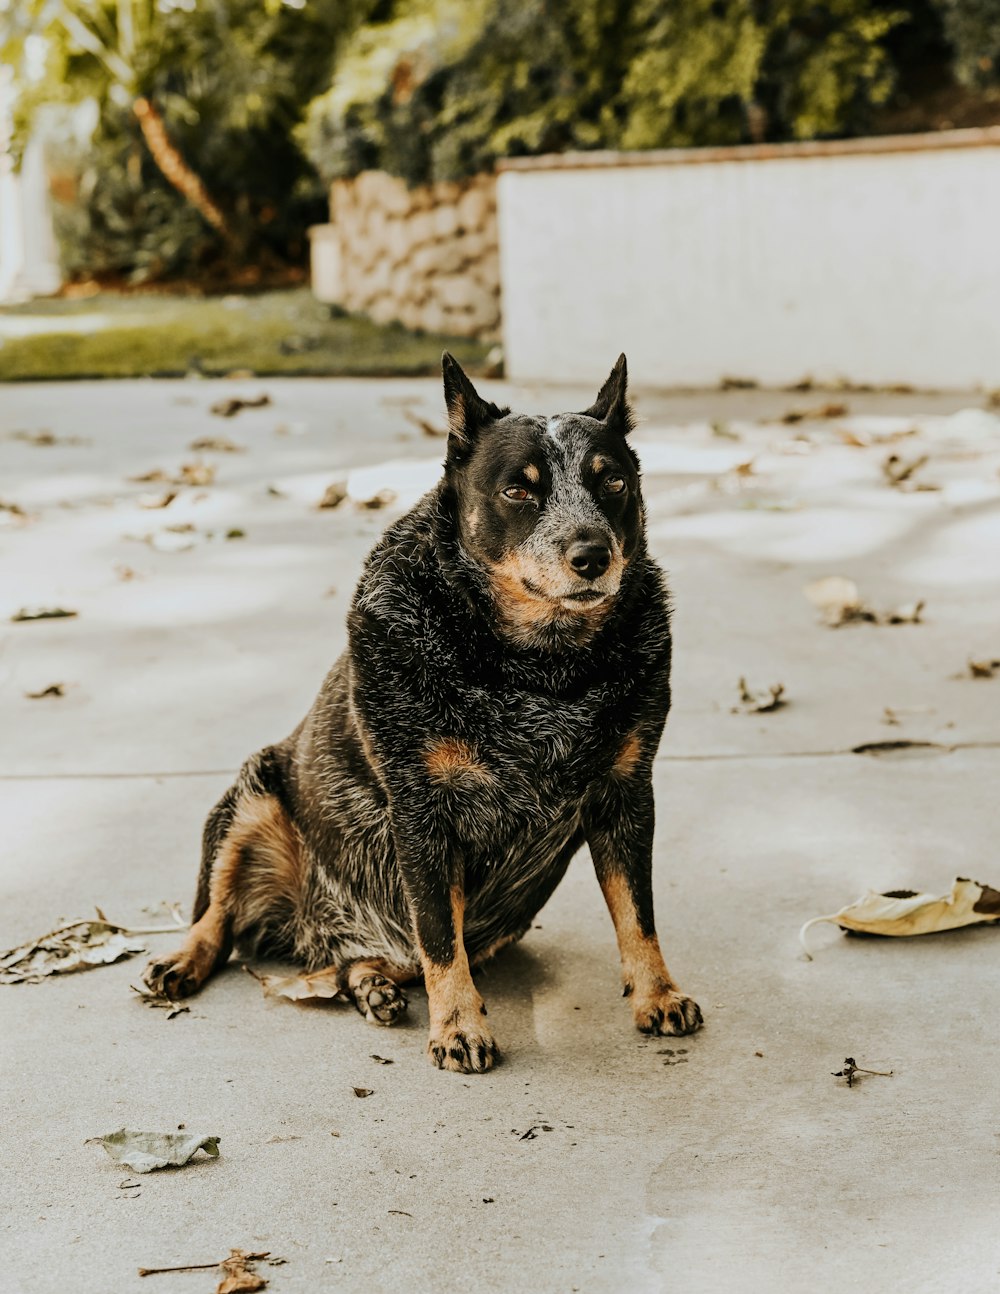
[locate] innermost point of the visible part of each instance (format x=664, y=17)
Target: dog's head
x=550, y=508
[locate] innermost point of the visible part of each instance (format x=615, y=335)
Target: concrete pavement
x=731, y=1161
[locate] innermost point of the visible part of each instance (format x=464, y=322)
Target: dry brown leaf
x=238, y=1277
x=839, y=603
x=983, y=668
x=196, y=473
x=154, y=476
x=381, y=500
x=53, y=689
x=832, y=409
x=364, y=1091
x=43, y=613
x=899, y=473
x=45, y=439
x=759, y=702
x=157, y=500
x=334, y=495
x=905, y=912
x=299, y=988
x=838, y=600
x=905, y=615
x=74, y=946
x=216, y=444
x=230, y=407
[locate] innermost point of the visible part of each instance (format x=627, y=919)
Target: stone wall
x=425, y=257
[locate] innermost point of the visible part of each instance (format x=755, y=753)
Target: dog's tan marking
x=452, y=762
x=658, y=1006
x=532, y=473
x=472, y=520
x=256, y=875
x=524, y=615
x=598, y=463
x=629, y=754
x=460, y=1039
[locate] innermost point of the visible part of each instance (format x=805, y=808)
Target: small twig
x=850, y=1069
x=197, y=1267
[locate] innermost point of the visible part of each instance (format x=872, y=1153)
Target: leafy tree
x=212, y=88
x=437, y=90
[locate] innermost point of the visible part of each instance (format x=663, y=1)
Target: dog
x=500, y=702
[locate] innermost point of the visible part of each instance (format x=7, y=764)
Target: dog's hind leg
x=251, y=876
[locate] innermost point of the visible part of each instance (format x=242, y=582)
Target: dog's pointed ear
x=611, y=405
x=468, y=412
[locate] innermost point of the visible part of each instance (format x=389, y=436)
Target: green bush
x=440, y=89
x=972, y=27
x=230, y=80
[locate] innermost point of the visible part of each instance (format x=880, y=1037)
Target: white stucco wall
x=878, y=266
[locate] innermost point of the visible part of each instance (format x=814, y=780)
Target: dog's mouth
x=577, y=600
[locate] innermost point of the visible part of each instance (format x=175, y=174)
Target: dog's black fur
x=500, y=702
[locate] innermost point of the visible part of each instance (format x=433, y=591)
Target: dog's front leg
x=619, y=829
x=460, y=1038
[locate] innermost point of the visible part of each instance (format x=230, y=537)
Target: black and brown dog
x=500, y=702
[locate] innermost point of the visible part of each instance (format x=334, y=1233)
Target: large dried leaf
x=903, y=912
x=145, y=1151
x=238, y=1276
x=299, y=988
x=839, y=603
x=75, y=946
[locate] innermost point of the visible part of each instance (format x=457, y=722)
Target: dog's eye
x=517, y=493
x=615, y=484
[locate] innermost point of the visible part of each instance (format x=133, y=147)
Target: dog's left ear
x=612, y=406
x=468, y=412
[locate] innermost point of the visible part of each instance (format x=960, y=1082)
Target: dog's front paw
x=379, y=1000
x=469, y=1050
x=178, y=974
x=667, y=1012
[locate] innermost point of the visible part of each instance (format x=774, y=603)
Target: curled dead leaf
x=839, y=603
x=364, y=1091
x=899, y=472
x=230, y=407
x=157, y=500
x=74, y=946
x=334, y=495
x=42, y=613
x=904, y=912
x=983, y=668
x=53, y=689
x=380, y=500
x=145, y=1152
x=299, y=988
x=759, y=702
x=216, y=444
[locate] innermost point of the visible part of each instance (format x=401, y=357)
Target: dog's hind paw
x=378, y=999
x=464, y=1052
x=669, y=1013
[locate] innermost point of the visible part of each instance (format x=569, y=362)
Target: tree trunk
x=176, y=170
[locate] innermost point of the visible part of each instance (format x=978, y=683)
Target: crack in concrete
x=916, y=749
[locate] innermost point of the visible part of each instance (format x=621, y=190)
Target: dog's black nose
x=589, y=559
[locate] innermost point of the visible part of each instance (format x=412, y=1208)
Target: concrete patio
x=593, y=1159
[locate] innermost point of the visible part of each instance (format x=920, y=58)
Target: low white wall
x=873, y=261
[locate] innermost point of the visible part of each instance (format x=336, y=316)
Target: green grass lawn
x=170, y=336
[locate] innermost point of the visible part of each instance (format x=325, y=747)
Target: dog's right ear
x=468, y=412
